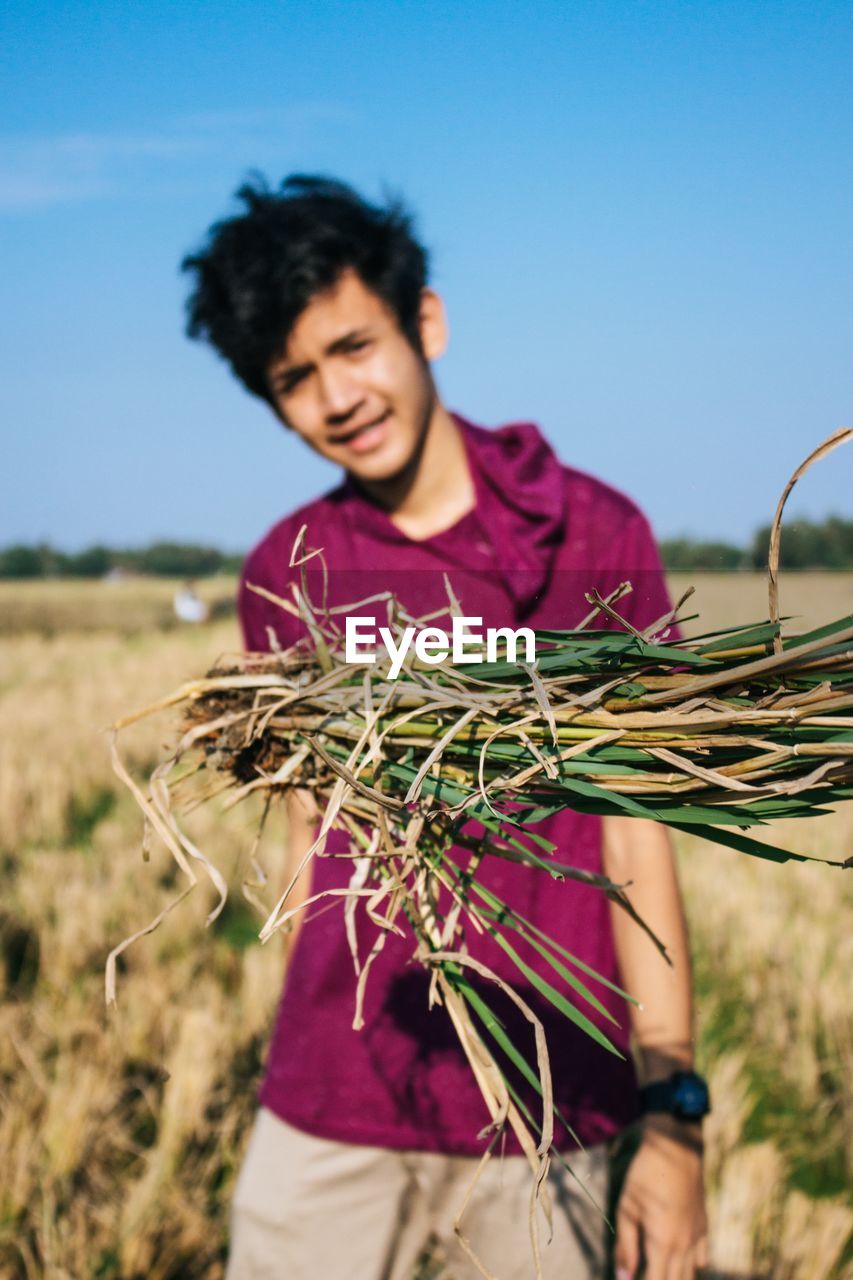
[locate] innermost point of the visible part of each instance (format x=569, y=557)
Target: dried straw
x=715, y=735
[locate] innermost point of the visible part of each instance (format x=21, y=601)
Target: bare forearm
x=641, y=852
x=661, y=1216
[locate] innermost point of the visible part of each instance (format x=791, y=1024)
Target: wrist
x=658, y=1062
x=680, y=1099
x=687, y=1134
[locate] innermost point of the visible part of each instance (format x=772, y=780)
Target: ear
x=432, y=325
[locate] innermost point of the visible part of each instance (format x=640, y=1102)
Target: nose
x=341, y=397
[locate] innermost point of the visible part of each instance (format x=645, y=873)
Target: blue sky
x=639, y=215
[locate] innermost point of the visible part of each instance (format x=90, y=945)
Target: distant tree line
x=805, y=545
x=161, y=559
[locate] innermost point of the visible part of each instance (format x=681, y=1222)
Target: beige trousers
x=306, y=1208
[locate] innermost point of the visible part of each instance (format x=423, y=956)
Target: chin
x=382, y=465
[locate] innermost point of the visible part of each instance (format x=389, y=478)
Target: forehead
x=347, y=305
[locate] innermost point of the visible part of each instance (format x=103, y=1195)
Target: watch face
x=690, y=1096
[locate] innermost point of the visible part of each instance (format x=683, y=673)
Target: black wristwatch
x=684, y=1095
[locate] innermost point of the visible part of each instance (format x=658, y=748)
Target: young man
x=366, y=1140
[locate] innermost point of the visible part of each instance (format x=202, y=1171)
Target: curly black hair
x=258, y=270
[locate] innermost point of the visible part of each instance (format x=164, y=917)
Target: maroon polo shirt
x=540, y=536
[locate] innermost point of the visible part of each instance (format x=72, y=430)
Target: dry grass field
x=121, y=605
x=120, y=1134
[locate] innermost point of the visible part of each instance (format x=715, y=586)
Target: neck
x=436, y=488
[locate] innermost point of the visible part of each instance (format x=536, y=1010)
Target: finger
x=657, y=1261
x=690, y=1264
x=627, y=1246
x=681, y=1265
x=702, y=1255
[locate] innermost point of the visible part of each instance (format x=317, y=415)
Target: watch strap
x=667, y=1096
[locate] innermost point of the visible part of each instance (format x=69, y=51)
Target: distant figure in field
x=187, y=605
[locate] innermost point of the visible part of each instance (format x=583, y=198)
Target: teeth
x=358, y=431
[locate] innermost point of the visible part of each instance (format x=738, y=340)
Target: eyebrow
x=284, y=376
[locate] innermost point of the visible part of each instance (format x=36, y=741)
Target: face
x=350, y=383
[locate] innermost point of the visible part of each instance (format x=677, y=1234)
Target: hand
x=661, y=1215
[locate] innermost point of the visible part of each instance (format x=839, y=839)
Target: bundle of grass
x=715, y=735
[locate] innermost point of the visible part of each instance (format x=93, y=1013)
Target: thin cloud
x=36, y=172
x=22, y=190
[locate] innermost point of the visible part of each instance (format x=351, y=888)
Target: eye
x=290, y=384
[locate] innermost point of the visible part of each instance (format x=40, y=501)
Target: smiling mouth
x=346, y=436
